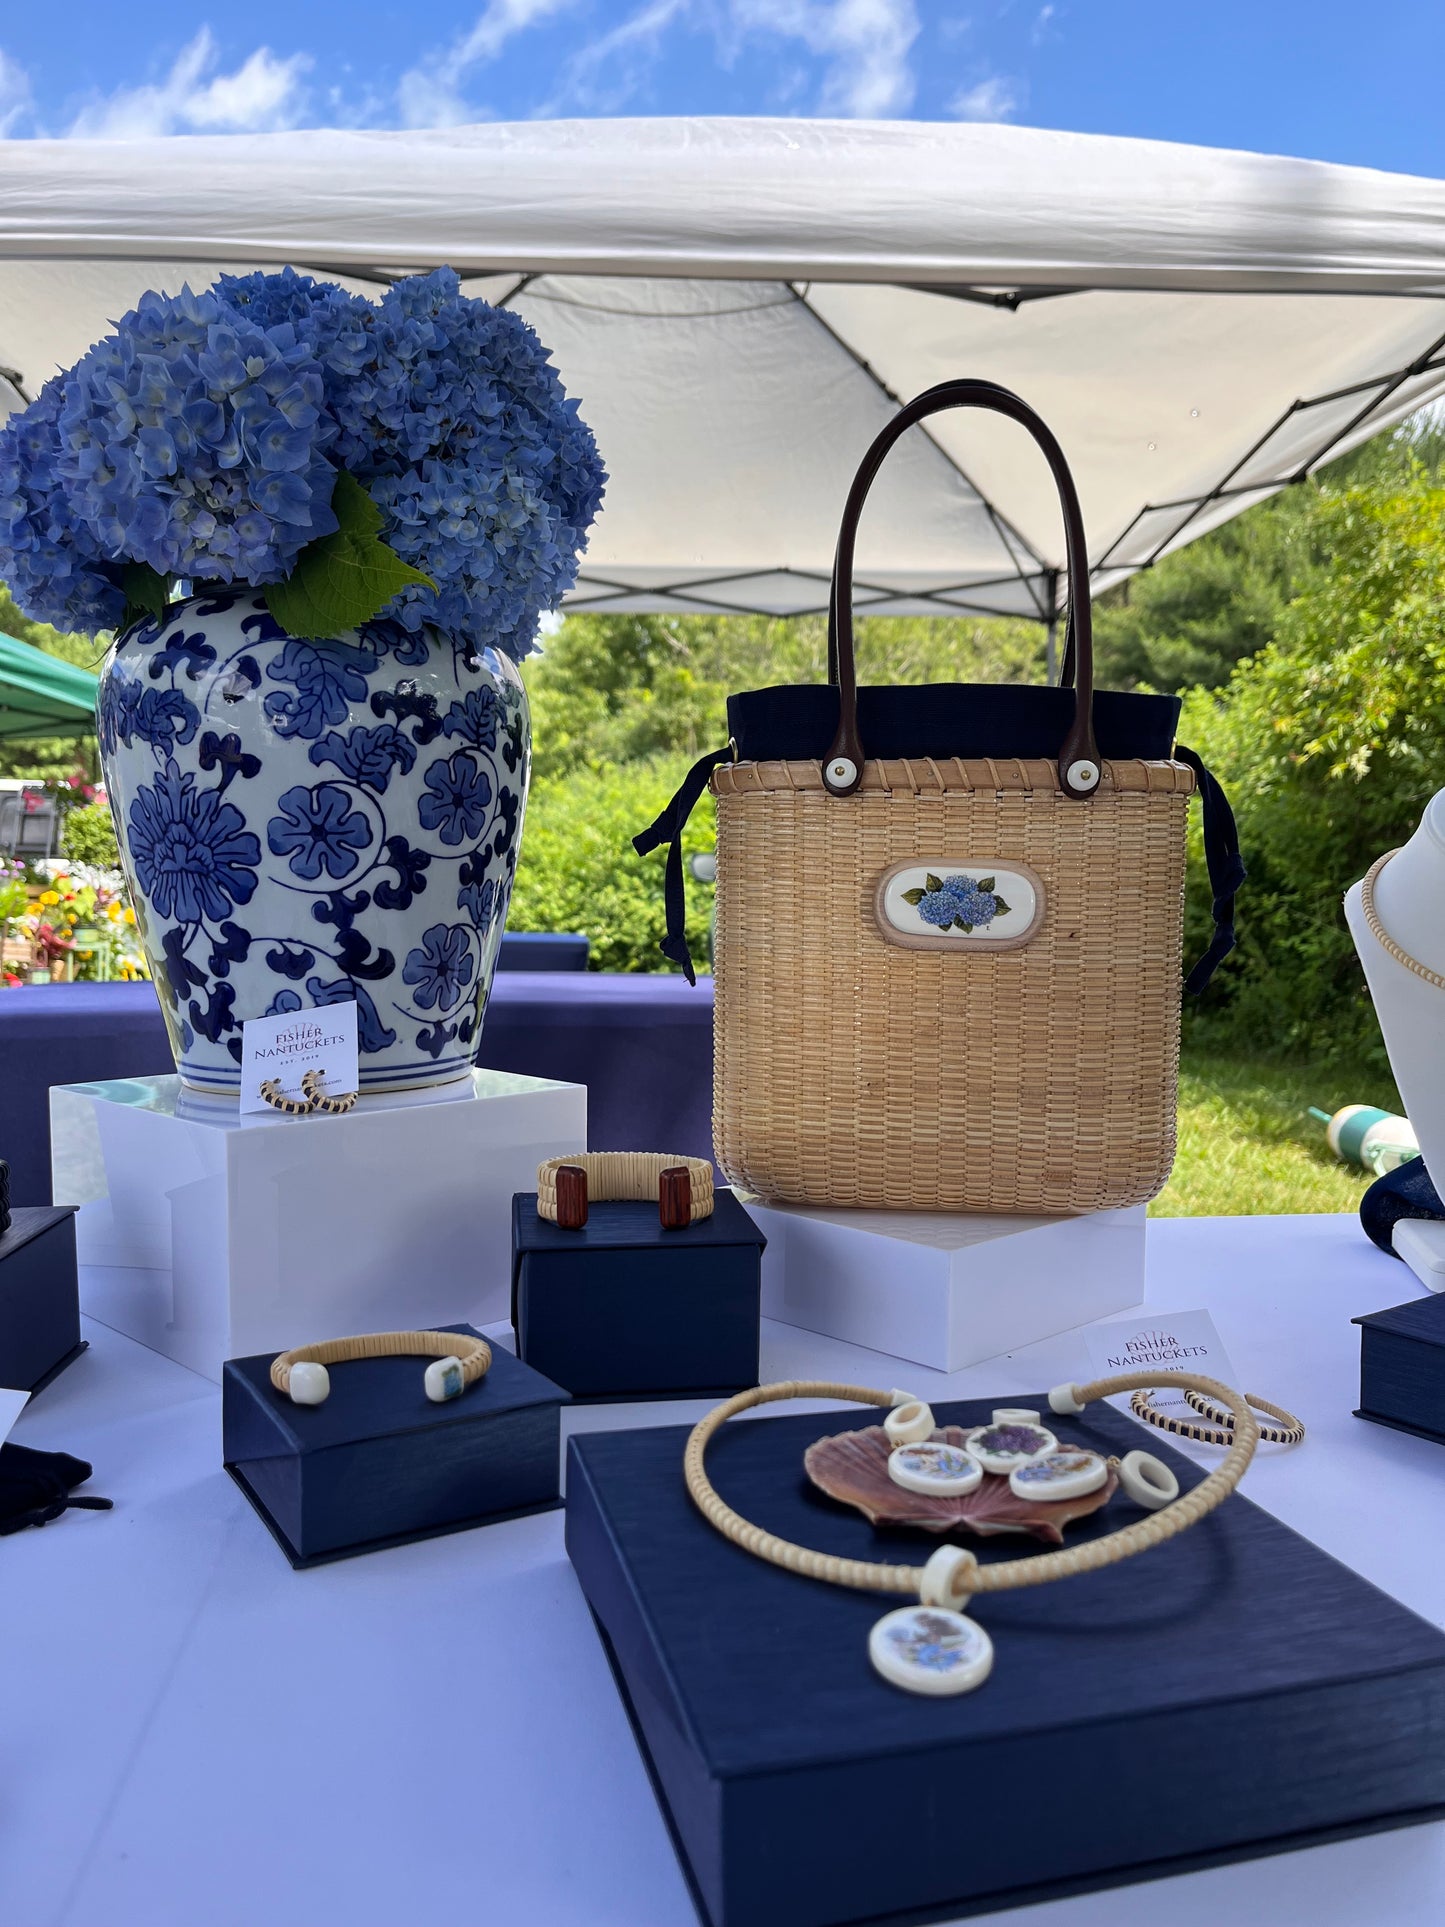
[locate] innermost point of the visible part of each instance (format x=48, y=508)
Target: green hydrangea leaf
x=1001, y=907
x=966, y=928
x=147, y=593
x=913, y=896
x=985, y=883
x=933, y=883
x=342, y=580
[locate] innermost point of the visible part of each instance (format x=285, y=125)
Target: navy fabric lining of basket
x=943, y=720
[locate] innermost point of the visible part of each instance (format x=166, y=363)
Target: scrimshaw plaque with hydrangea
x=944, y=903
x=313, y=821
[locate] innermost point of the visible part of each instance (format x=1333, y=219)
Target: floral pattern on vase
x=314, y=822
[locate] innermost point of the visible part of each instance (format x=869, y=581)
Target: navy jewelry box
x=379, y=1464
x=624, y=1309
x=1402, y=1367
x=1233, y=1692
x=39, y=1301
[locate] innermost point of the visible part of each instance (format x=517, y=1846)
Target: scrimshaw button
x=842, y=773
x=929, y=1649
x=1069, y=1473
x=999, y=1448
x=935, y=1468
x=1083, y=775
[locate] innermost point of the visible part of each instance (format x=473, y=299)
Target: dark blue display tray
x=378, y=1464
x=1231, y=1693
x=39, y=1297
x=625, y=1310
x=1402, y=1368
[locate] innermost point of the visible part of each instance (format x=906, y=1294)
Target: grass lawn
x=1247, y=1145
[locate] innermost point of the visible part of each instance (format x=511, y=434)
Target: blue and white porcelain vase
x=311, y=822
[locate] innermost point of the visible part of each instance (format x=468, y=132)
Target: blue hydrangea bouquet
x=324, y=530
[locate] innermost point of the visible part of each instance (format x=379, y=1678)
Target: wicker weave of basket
x=851, y=1071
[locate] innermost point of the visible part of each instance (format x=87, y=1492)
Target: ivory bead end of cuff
x=1014, y=1415
x=309, y=1384
x=909, y=1424
x=444, y=1380
x=1064, y=1398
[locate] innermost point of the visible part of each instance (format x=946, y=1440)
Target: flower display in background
x=203, y=441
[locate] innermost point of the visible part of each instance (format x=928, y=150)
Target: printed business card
x=287, y=1046
x=1173, y=1341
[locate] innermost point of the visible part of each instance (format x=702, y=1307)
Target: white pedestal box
x=945, y=1290
x=209, y=1237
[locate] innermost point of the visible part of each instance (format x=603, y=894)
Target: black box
x=1402, y=1367
x=379, y=1464
x=39, y=1301
x=624, y=1309
x=1230, y=1693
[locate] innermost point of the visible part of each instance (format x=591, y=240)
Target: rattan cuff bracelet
x=958, y=1655
x=458, y=1361
x=681, y=1186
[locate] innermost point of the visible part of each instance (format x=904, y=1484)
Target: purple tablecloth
x=641, y=1044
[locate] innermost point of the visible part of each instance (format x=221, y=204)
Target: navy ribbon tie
x=668, y=828
x=1221, y=857
x=1225, y=866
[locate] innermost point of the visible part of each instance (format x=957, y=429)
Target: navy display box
x=1402, y=1368
x=378, y=1464
x=1233, y=1692
x=39, y=1301
x=624, y=1309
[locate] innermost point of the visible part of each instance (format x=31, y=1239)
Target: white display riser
x=207, y=1236
x=946, y=1290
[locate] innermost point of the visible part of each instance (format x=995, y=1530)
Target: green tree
x=1330, y=741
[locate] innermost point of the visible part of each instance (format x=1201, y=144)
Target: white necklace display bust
x=1410, y=904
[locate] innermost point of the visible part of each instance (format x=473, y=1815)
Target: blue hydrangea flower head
x=54, y=566
x=203, y=436
x=938, y=907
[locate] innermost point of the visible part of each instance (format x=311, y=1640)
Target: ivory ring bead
x=1148, y=1481
x=929, y=1649
x=1014, y=1415
x=933, y=1467
x=1064, y=1399
x=909, y=1424
x=309, y=1384
x=944, y=1576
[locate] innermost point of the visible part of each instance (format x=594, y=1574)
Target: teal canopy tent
x=41, y=695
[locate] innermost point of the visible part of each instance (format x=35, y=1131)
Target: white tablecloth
x=192, y=1735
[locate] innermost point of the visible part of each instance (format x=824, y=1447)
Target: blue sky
x=1338, y=80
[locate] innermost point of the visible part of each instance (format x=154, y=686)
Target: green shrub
x=88, y=836
x=579, y=870
x=1330, y=743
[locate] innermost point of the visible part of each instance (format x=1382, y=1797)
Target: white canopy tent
x=740, y=303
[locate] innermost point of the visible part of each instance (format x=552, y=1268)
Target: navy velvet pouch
x=1406, y=1192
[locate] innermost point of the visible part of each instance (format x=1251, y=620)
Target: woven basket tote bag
x=949, y=921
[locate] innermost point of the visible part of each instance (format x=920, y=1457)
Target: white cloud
x=16, y=101
x=866, y=43
x=430, y=94
x=1039, y=32
x=606, y=73
x=263, y=93
x=992, y=99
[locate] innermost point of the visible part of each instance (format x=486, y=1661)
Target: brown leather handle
x=1078, y=758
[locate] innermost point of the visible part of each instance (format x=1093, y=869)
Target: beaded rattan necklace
x=933, y=1647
